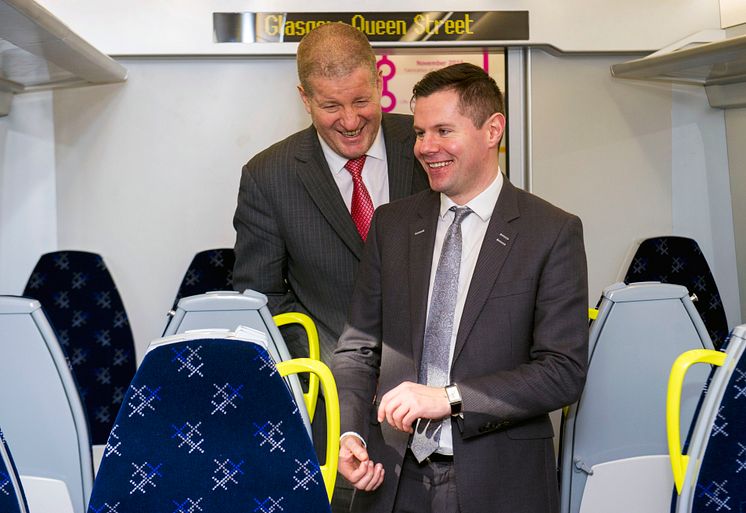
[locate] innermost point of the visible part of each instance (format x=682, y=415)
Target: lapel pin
x=504, y=236
x=501, y=242
x=419, y=232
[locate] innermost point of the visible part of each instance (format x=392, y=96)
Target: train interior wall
x=146, y=172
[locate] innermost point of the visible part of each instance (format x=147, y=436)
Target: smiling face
x=459, y=158
x=346, y=111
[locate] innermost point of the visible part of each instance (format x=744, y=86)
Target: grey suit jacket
x=295, y=239
x=521, y=348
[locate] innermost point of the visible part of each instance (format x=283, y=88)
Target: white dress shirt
x=473, y=230
x=375, y=172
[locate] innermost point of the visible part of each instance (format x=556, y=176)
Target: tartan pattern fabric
x=679, y=260
x=87, y=314
x=209, y=425
x=12, y=498
x=209, y=270
x=721, y=483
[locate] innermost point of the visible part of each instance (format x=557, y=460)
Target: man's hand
x=356, y=467
x=403, y=405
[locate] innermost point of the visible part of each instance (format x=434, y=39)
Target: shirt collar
x=337, y=162
x=482, y=205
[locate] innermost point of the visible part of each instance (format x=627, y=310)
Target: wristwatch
x=454, y=397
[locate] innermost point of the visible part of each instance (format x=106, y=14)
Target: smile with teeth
x=443, y=163
x=351, y=133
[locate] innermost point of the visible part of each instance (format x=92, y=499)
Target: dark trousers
x=427, y=487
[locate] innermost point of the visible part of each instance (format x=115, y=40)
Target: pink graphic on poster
x=388, y=99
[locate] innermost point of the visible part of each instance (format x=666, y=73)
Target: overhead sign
x=405, y=27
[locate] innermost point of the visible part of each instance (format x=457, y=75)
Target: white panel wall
x=28, y=196
x=148, y=170
x=634, y=160
x=735, y=120
x=602, y=150
x=701, y=189
x=732, y=12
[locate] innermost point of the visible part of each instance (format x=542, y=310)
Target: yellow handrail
x=679, y=461
x=314, y=353
x=329, y=387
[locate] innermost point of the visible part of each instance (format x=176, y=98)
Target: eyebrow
x=438, y=126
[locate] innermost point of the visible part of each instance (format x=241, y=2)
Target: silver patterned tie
x=437, y=346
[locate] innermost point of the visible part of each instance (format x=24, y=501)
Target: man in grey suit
x=468, y=324
x=296, y=241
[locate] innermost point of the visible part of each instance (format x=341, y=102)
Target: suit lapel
x=316, y=176
x=421, y=242
x=400, y=157
x=495, y=249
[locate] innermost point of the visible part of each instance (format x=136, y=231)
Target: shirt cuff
x=352, y=433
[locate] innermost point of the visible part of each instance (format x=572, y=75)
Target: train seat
x=84, y=308
x=229, y=310
x=40, y=408
x=711, y=476
x=12, y=497
x=679, y=260
x=614, y=455
x=208, y=424
x=209, y=270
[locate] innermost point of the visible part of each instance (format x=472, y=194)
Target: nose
x=426, y=145
x=349, y=118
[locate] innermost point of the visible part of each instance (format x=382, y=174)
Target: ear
x=304, y=98
x=379, y=82
x=495, y=129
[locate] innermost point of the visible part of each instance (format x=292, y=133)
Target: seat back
x=679, y=260
x=40, y=407
x=87, y=314
x=209, y=270
x=712, y=475
x=615, y=432
x=208, y=424
x=229, y=310
x=12, y=498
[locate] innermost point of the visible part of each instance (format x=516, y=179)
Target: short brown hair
x=479, y=95
x=333, y=50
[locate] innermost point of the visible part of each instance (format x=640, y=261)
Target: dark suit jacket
x=295, y=239
x=521, y=347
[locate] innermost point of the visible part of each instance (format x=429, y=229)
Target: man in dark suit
x=468, y=324
x=304, y=211
x=296, y=240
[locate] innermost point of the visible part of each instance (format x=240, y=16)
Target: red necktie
x=362, y=206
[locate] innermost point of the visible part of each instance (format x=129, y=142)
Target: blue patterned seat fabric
x=209, y=270
x=679, y=260
x=12, y=498
x=209, y=425
x=721, y=483
x=84, y=308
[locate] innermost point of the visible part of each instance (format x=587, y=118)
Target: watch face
x=454, y=397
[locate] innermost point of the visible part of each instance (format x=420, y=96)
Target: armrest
x=679, y=461
x=314, y=353
x=329, y=387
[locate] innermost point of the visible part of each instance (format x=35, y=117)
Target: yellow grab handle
x=679, y=460
x=329, y=387
x=592, y=313
x=314, y=353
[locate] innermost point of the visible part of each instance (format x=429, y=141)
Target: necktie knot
x=355, y=166
x=459, y=214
